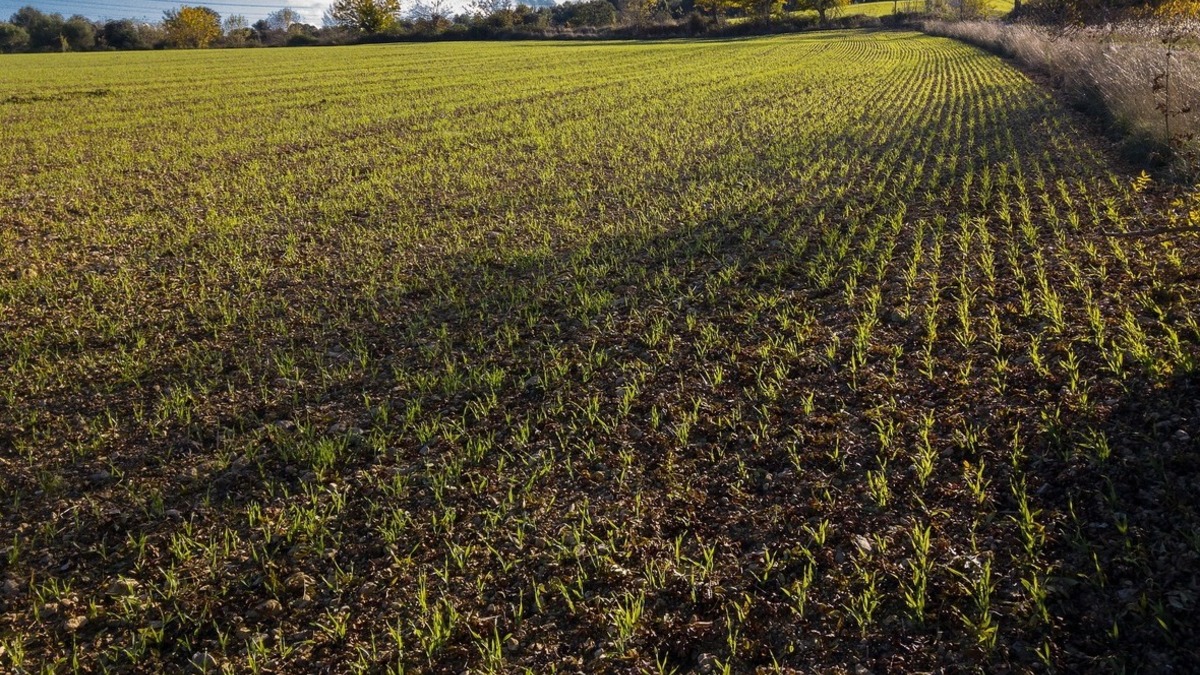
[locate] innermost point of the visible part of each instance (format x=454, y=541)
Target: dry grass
x=1147, y=88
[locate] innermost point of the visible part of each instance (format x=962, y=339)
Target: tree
x=823, y=7
x=715, y=8
x=192, y=27
x=13, y=38
x=237, y=30
x=234, y=22
x=282, y=19
x=368, y=16
x=757, y=8
x=302, y=34
x=591, y=13
x=45, y=30
x=435, y=13
x=123, y=34
x=78, y=34
x=637, y=12
x=484, y=8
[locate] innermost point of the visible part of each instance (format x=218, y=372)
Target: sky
x=152, y=10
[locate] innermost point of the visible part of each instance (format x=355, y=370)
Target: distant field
x=881, y=9
x=807, y=353
x=995, y=7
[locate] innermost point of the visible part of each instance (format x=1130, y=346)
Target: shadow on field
x=1129, y=580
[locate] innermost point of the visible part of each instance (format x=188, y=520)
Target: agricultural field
x=804, y=353
x=883, y=8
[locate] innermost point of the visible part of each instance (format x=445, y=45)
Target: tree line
x=31, y=30
x=348, y=21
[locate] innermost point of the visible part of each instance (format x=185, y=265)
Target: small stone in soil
x=204, y=662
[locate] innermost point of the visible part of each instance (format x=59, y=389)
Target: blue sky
x=152, y=10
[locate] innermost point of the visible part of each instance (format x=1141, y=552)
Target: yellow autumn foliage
x=193, y=27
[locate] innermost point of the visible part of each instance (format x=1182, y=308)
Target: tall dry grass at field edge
x=1146, y=91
